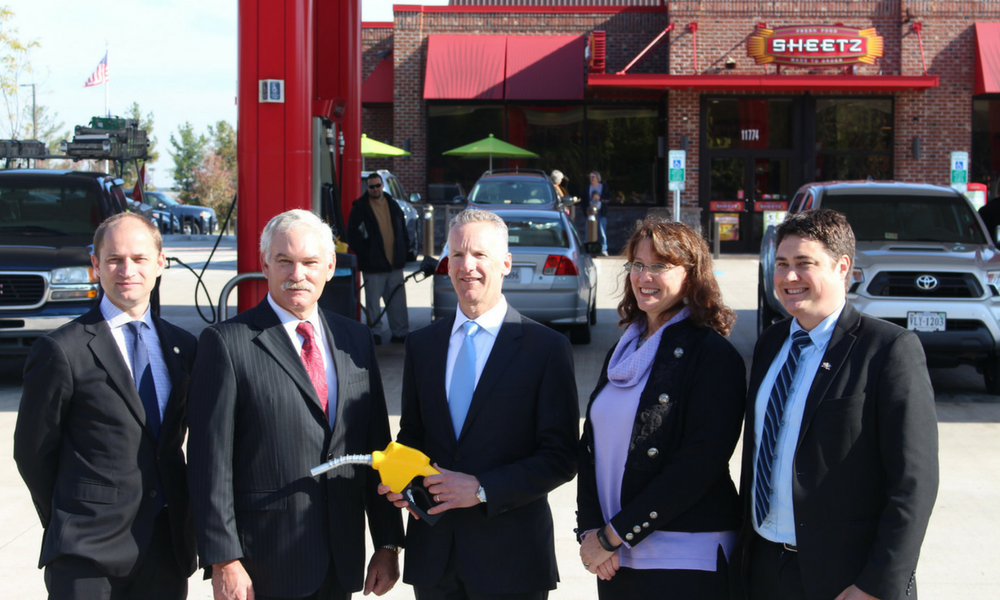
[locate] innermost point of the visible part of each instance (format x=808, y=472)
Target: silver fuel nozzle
x=350, y=459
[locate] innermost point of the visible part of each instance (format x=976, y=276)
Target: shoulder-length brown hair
x=678, y=244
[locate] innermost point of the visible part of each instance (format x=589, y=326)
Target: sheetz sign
x=815, y=46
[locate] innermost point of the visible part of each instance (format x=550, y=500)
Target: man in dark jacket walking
x=376, y=232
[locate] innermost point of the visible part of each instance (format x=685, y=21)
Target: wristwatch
x=481, y=494
x=393, y=547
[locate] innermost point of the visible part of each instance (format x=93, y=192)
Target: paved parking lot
x=959, y=555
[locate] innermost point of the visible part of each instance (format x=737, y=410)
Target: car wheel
x=593, y=313
x=765, y=314
x=580, y=334
x=196, y=228
x=186, y=227
x=991, y=374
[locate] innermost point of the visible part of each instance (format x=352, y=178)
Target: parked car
x=924, y=261
x=445, y=193
x=47, y=224
x=192, y=219
x=553, y=279
x=512, y=188
x=164, y=221
x=395, y=188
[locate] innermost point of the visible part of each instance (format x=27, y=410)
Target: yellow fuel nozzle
x=398, y=465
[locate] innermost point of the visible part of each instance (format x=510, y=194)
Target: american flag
x=100, y=75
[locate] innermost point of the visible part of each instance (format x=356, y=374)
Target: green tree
x=15, y=62
x=222, y=140
x=188, y=153
x=146, y=123
x=216, y=177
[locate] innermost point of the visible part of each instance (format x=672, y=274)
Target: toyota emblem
x=927, y=282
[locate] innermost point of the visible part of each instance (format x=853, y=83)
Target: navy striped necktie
x=772, y=425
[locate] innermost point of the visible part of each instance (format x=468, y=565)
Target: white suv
x=924, y=261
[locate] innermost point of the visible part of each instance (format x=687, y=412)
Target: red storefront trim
x=398, y=8
x=465, y=67
x=887, y=83
x=545, y=67
x=987, y=58
x=377, y=89
x=377, y=25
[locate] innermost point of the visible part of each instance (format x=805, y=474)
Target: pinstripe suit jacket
x=519, y=439
x=256, y=428
x=87, y=455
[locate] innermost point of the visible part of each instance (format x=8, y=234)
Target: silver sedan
x=553, y=279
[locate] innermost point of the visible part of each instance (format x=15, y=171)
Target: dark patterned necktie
x=142, y=374
x=313, y=361
x=772, y=425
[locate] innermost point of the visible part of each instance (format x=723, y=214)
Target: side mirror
x=996, y=235
x=415, y=198
x=592, y=248
x=458, y=200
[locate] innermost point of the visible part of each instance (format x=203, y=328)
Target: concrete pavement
x=959, y=555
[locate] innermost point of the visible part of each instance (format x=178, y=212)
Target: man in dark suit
x=490, y=397
x=276, y=391
x=840, y=466
x=99, y=434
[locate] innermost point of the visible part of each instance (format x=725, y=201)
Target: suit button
x=653, y=515
x=645, y=525
x=664, y=398
x=637, y=529
x=652, y=452
x=152, y=493
x=629, y=536
x=329, y=456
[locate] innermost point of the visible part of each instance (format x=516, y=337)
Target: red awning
x=987, y=58
x=465, y=67
x=545, y=67
x=377, y=89
x=886, y=83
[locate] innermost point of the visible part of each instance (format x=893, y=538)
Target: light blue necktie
x=463, y=378
x=772, y=425
x=143, y=375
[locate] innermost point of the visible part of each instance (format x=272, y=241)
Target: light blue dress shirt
x=116, y=319
x=779, y=525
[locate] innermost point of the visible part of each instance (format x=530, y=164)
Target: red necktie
x=313, y=361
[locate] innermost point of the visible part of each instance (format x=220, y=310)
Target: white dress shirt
x=779, y=524
x=290, y=322
x=117, y=319
x=490, y=323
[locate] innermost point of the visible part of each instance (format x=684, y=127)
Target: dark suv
x=509, y=188
x=923, y=261
x=193, y=219
x=47, y=224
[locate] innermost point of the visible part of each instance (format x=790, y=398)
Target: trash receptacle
x=340, y=293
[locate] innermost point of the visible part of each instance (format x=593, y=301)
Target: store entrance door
x=742, y=189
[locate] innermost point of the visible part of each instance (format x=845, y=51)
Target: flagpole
x=107, y=82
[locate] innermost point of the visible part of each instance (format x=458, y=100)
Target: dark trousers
x=159, y=576
x=679, y=584
x=330, y=589
x=774, y=572
x=454, y=587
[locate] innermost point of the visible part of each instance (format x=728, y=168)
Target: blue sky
x=176, y=58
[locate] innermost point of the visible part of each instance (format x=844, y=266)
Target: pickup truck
x=923, y=261
x=47, y=224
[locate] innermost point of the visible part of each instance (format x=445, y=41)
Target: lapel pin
x=678, y=352
x=826, y=366
x=177, y=350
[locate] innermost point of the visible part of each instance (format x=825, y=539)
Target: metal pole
x=716, y=242
x=429, y=230
x=677, y=206
x=34, y=110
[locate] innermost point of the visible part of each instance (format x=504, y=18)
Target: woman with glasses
x=657, y=508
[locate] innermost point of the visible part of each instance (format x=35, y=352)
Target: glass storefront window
x=555, y=134
x=749, y=123
x=854, y=138
x=622, y=147
x=456, y=125
x=985, y=160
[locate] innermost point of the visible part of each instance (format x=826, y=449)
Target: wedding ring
x=437, y=497
x=586, y=566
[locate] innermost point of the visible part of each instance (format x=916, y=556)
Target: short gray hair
x=476, y=215
x=291, y=219
x=557, y=176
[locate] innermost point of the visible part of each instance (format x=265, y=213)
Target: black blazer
x=365, y=237
x=519, y=439
x=85, y=452
x=685, y=431
x=866, y=467
x=257, y=428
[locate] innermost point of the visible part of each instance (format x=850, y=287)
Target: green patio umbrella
x=490, y=147
x=375, y=149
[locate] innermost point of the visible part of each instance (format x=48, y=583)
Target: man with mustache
x=276, y=391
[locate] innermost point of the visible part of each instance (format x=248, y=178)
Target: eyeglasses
x=636, y=268
x=375, y=187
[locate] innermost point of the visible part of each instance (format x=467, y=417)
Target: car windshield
x=909, y=218
x=67, y=208
x=520, y=191
x=165, y=199
x=546, y=233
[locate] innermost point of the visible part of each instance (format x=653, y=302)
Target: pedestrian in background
x=376, y=233
x=657, y=509
x=599, y=195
